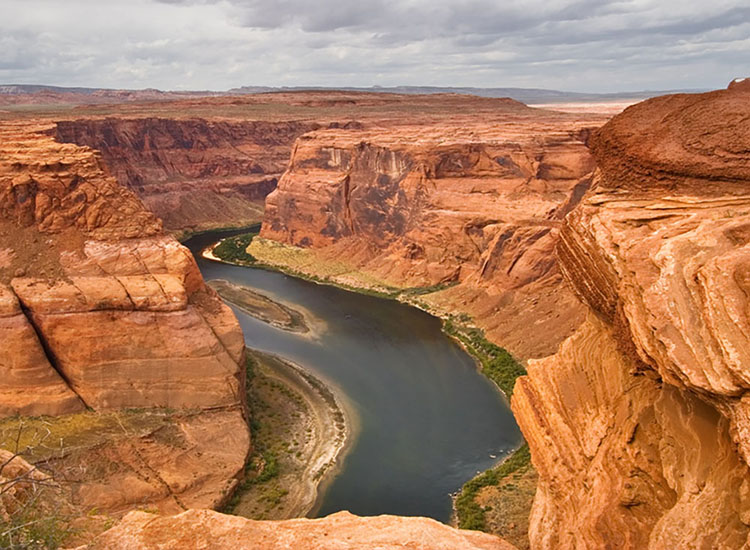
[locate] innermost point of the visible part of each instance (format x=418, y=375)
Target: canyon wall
x=192, y=173
x=100, y=310
x=470, y=206
x=638, y=426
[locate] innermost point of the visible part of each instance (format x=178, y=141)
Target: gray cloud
x=587, y=45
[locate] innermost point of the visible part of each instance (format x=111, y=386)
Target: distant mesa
x=740, y=85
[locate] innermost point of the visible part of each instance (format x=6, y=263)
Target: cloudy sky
x=575, y=45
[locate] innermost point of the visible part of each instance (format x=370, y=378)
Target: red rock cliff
x=476, y=201
x=99, y=309
x=638, y=426
x=192, y=173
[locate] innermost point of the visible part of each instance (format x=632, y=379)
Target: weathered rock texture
x=192, y=173
x=165, y=461
x=638, y=426
x=97, y=307
x=120, y=309
x=342, y=531
x=473, y=201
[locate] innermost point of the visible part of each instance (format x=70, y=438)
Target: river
x=428, y=420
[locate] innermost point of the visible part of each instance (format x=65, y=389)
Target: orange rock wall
x=342, y=531
x=638, y=425
x=474, y=203
x=192, y=173
x=99, y=308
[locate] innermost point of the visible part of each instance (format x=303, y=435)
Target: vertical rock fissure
x=49, y=354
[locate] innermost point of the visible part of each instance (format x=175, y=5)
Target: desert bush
x=31, y=501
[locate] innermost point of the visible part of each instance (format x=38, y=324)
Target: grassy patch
x=234, y=249
x=269, y=434
x=187, y=234
x=34, y=528
x=304, y=263
x=497, y=363
x=422, y=290
x=43, y=437
x=470, y=514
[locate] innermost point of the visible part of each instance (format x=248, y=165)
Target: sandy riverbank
x=303, y=431
x=304, y=264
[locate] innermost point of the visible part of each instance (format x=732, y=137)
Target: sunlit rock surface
x=638, y=426
x=99, y=309
x=196, y=529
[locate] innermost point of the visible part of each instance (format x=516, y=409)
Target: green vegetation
x=422, y=290
x=31, y=501
x=497, y=363
x=263, y=465
x=34, y=528
x=185, y=235
x=470, y=514
x=503, y=369
x=234, y=249
x=273, y=408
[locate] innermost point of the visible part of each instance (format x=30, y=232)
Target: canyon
x=193, y=174
x=468, y=206
x=610, y=256
x=403, y=191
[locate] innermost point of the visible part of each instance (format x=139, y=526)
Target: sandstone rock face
x=638, y=426
x=99, y=309
x=192, y=173
x=109, y=307
x=29, y=383
x=342, y=531
x=476, y=202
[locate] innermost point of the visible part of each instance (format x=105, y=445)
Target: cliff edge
x=638, y=426
x=100, y=311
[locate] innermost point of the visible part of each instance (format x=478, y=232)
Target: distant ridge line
x=526, y=95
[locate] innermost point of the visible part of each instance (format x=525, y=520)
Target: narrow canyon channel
x=427, y=421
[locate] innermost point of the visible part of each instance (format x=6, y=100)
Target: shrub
x=234, y=249
x=470, y=513
x=31, y=503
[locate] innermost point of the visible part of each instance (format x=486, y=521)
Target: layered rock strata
x=342, y=531
x=120, y=309
x=192, y=173
x=638, y=426
x=99, y=309
x=453, y=202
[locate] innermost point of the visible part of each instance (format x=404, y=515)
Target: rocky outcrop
x=161, y=460
x=638, y=425
x=475, y=203
x=192, y=173
x=99, y=309
x=30, y=385
x=205, y=529
x=120, y=309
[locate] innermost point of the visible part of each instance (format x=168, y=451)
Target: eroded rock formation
x=99, y=309
x=638, y=426
x=471, y=201
x=341, y=531
x=192, y=173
